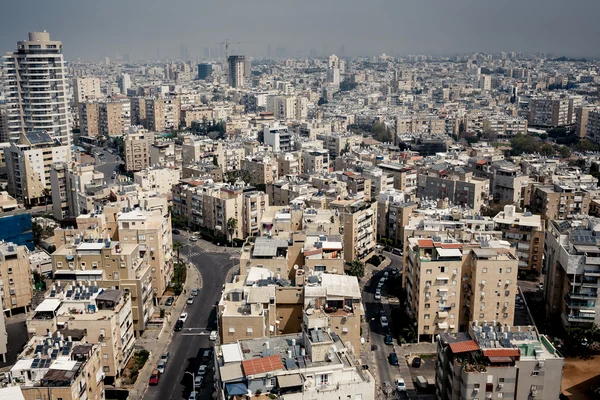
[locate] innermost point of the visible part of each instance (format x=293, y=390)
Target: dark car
x=416, y=362
x=393, y=359
x=176, y=232
x=169, y=301
x=178, y=325
x=388, y=340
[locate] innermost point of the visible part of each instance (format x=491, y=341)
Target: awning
x=448, y=252
x=442, y=325
x=443, y=290
x=443, y=314
x=231, y=372
x=442, y=278
x=236, y=389
x=285, y=381
x=591, y=312
x=48, y=305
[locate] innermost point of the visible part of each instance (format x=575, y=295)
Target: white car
x=183, y=317
x=384, y=321
x=202, y=370
x=193, y=396
x=378, y=295
x=193, y=239
x=400, y=386
x=213, y=335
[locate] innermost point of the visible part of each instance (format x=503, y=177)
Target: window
x=442, y=269
x=324, y=379
x=249, y=330
x=104, y=344
x=451, y=316
x=500, y=270
x=10, y=270
x=426, y=327
x=426, y=316
x=509, y=270
x=231, y=330
x=428, y=271
x=142, y=238
x=318, y=268
x=484, y=270
x=481, y=315
x=105, y=356
x=106, y=369
x=476, y=386
x=82, y=265
x=272, y=382
x=59, y=264
x=500, y=380
x=500, y=395
x=427, y=305
x=535, y=373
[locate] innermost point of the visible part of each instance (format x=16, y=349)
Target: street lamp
x=193, y=380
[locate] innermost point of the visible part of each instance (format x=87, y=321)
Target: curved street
x=187, y=346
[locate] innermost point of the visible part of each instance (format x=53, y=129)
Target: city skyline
x=97, y=30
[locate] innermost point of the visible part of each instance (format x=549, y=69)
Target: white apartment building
x=86, y=88
x=157, y=179
x=35, y=87
x=278, y=137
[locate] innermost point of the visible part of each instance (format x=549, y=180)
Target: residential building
x=33, y=73
x=393, y=215
x=582, y=121
x=86, y=88
x=75, y=188
x=157, y=179
x=16, y=284
x=114, y=117
x=89, y=118
x=504, y=127
x=449, y=283
x=356, y=184
x=460, y=187
x=254, y=205
x=507, y=182
x=278, y=137
x=313, y=364
x=137, y=149
x=29, y=162
x=289, y=164
x=359, y=225
x=553, y=111
x=105, y=315
x=204, y=71
x=558, y=201
x=525, y=232
x=489, y=361
x=404, y=178
x=236, y=69
x=260, y=169
x=593, y=126
x=315, y=161
x=572, y=261
x=61, y=368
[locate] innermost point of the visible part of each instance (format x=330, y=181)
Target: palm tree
x=177, y=245
x=231, y=227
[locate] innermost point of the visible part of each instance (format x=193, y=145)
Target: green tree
x=37, y=233
x=564, y=152
x=322, y=101
x=357, y=269
x=231, y=228
x=177, y=246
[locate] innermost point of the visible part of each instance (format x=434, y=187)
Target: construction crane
x=227, y=43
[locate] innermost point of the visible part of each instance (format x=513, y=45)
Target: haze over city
x=145, y=29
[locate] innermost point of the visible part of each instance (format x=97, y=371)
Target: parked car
x=195, y=292
x=213, y=335
x=395, y=271
x=193, y=239
x=378, y=294
x=400, y=386
x=193, y=396
x=384, y=321
x=202, y=369
x=416, y=362
x=169, y=301
x=386, y=274
x=397, y=252
x=421, y=382
x=206, y=355
x=388, y=340
x=178, y=325
x=165, y=357
x=191, y=299
x=540, y=286
x=154, y=378
x=183, y=317
x=198, y=381
x=176, y=232
x=161, y=367
x=393, y=359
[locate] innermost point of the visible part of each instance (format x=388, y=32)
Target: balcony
x=592, y=260
x=580, y=295
x=591, y=272
x=589, y=318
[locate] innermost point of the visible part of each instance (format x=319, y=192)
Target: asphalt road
x=187, y=346
x=106, y=165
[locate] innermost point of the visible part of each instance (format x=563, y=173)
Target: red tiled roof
x=348, y=173
x=451, y=245
x=425, y=243
x=501, y=353
x=481, y=162
x=262, y=365
x=463, y=347
x=312, y=252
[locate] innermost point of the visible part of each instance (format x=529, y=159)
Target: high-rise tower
x=237, y=66
x=36, y=89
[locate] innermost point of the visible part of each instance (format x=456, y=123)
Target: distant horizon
x=94, y=30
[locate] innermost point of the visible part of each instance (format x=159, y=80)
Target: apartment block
x=572, y=261
x=278, y=137
x=229, y=157
x=460, y=187
x=289, y=164
x=553, y=112
x=593, y=125
x=60, y=367
x=431, y=124
x=114, y=117
x=582, y=114
x=260, y=169
x=449, y=283
x=16, y=283
x=507, y=182
x=165, y=153
x=292, y=367
x=137, y=149
x=89, y=118
x=315, y=161
x=196, y=149
x=112, y=265
x=105, y=315
x=404, y=178
x=157, y=179
x=75, y=188
x=189, y=115
x=359, y=225
x=356, y=184
x=489, y=361
x=29, y=162
x=393, y=215
x=558, y=201
x=254, y=205
x=525, y=232
x=86, y=88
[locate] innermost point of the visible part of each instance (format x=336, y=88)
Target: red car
x=154, y=377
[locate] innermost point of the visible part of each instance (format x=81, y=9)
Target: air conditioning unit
x=540, y=364
x=500, y=385
x=534, y=393
x=476, y=390
x=483, y=282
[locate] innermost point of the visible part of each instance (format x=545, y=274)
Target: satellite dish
x=296, y=267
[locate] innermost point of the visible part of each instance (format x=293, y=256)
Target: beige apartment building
x=460, y=187
x=89, y=118
x=359, y=225
x=554, y=111
x=254, y=206
x=196, y=149
x=432, y=124
x=228, y=157
x=137, y=149
x=449, y=284
x=58, y=367
x=289, y=164
x=404, y=178
x=259, y=169
x=558, y=201
x=163, y=113
x=104, y=315
x=315, y=161
x=113, y=265
x=114, y=117
x=189, y=115
x=356, y=184
x=28, y=163
x=15, y=278
x=526, y=232
x=75, y=187
x=86, y=88
x=157, y=179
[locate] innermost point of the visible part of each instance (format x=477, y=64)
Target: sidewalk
x=157, y=346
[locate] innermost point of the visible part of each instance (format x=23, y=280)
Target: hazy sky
x=91, y=29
